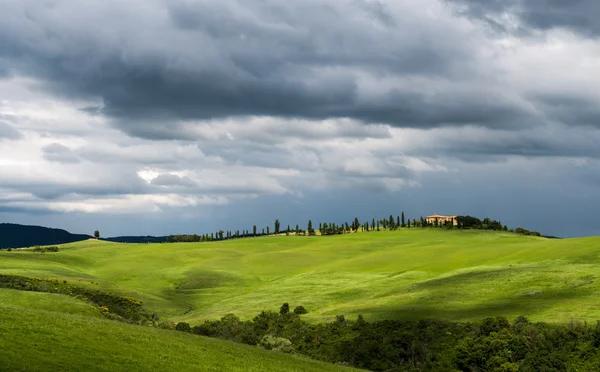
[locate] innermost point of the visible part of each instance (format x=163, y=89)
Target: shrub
x=285, y=308
x=276, y=344
x=183, y=327
x=300, y=310
x=166, y=325
x=10, y=249
x=45, y=249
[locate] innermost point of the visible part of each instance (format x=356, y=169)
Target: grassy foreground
x=48, y=332
x=407, y=274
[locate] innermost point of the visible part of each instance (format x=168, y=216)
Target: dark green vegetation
x=110, y=305
x=491, y=345
x=16, y=236
x=45, y=249
x=53, y=332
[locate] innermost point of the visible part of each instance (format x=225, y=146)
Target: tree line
x=375, y=224
x=389, y=223
x=493, y=344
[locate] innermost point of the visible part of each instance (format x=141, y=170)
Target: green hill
x=47, y=332
x=407, y=274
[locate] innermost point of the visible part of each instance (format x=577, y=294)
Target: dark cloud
x=580, y=16
x=236, y=58
x=8, y=132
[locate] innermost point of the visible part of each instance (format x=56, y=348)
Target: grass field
x=407, y=274
x=46, y=332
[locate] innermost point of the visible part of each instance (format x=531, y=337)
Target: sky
x=158, y=117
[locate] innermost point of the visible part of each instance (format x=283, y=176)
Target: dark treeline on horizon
x=330, y=228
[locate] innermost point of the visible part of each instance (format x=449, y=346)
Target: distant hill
x=18, y=236
x=138, y=239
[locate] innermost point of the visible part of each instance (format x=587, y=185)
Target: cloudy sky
x=184, y=116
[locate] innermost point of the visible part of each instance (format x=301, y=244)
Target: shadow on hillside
x=510, y=306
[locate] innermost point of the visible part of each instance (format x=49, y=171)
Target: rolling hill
x=50, y=332
x=17, y=236
x=407, y=274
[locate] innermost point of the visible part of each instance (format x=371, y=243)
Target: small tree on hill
x=97, y=234
x=403, y=224
x=277, y=225
x=408, y=223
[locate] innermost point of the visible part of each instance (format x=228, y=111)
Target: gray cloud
x=580, y=16
x=206, y=60
x=8, y=132
x=59, y=153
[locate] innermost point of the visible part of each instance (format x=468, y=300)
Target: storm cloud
x=186, y=114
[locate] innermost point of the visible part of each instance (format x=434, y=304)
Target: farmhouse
x=441, y=219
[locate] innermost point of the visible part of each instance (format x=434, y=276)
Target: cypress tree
x=277, y=225
x=377, y=225
x=268, y=230
x=403, y=219
x=310, y=228
x=391, y=222
x=373, y=224
x=408, y=223
x=254, y=230
x=398, y=221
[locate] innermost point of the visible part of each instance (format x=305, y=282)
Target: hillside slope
x=69, y=339
x=17, y=236
x=407, y=274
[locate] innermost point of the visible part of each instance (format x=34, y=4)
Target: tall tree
x=263, y=231
x=403, y=225
x=391, y=222
x=377, y=225
x=398, y=221
x=277, y=225
x=310, y=228
x=254, y=230
x=373, y=224
x=97, y=234
x=297, y=230
x=408, y=223
x=268, y=230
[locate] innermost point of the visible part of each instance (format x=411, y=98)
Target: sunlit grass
x=35, y=337
x=407, y=274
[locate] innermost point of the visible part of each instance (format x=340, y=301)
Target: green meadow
x=406, y=274
x=48, y=332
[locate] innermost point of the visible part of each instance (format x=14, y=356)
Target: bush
x=285, y=308
x=299, y=310
x=166, y=325
x=183, y=327
x=10, y=249
x=45, y=249
x=276, y=344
